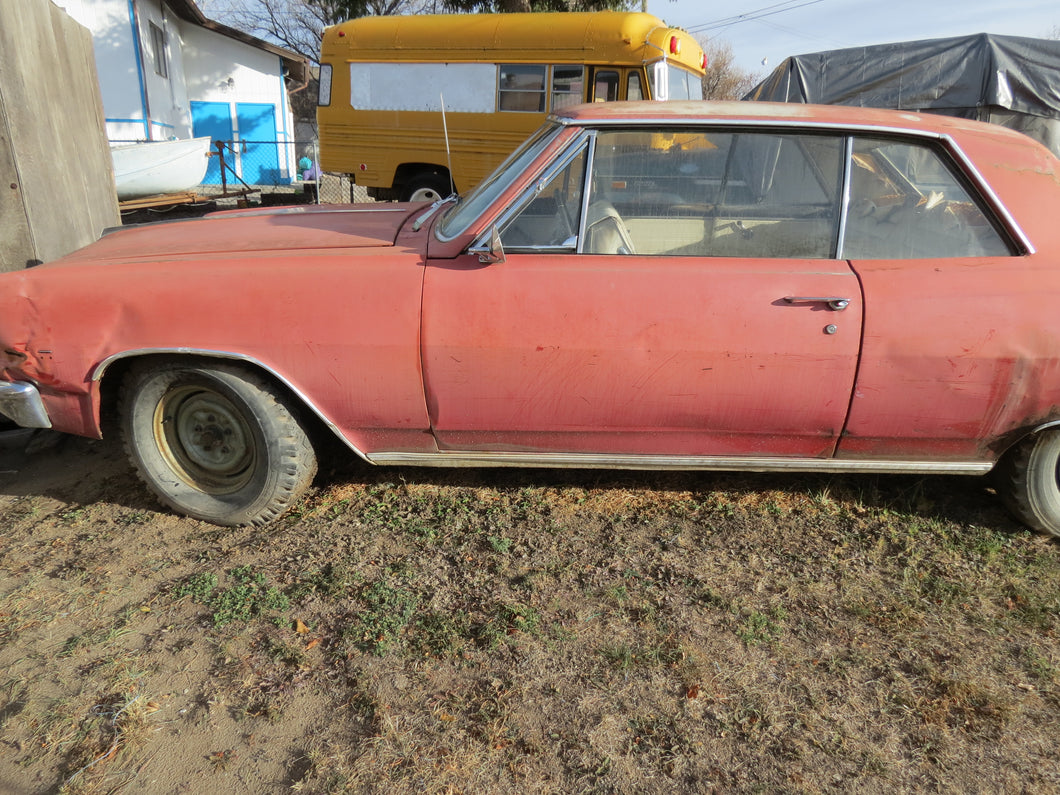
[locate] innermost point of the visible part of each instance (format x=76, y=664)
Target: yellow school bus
x=385, y=81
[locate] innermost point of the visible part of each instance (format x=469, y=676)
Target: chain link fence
x=280, y=172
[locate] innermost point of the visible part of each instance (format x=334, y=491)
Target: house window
x=158, y=48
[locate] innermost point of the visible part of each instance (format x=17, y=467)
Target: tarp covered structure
x=1009, y=80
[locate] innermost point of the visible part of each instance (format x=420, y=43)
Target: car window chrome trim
x=985, y=190
x=659, y=462
x=844, y=207
x=101, y=368
x=551, y=169
x=1009, y=223
x=587, y=184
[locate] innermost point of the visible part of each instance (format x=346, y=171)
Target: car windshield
x=460, y=217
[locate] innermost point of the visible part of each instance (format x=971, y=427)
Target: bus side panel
x=371, y=145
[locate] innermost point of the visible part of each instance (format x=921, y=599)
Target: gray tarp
x=1008, y=80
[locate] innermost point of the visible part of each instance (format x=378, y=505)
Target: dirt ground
x=408, y=630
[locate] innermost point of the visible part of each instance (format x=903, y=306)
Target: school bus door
x=607, y=84
x=604, y=83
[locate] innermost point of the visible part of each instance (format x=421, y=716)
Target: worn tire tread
x=295, y=467
x=1015, y=479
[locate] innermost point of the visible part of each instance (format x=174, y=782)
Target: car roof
x=773, y=113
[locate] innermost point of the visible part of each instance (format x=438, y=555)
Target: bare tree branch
x=724, y=79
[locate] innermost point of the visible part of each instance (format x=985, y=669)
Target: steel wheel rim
x=205, y=439
x=425, y=195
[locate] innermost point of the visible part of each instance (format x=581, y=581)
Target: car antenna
x=448, y=154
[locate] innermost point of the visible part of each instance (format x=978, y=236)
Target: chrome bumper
x=20, y=402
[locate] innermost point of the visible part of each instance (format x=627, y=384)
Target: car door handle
x=835, y=303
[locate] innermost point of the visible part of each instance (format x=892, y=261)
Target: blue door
x=258, y=144
x=213, y=119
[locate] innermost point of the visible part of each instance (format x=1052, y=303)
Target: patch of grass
x=499, y=544
x=388, y=611
x=758, y=627
x=1044, y=670
x=509, y=621
x=659, y=653
x=248, y=596
x=443, y=634
x=333, y=581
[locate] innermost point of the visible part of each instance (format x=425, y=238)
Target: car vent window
x=550, y=220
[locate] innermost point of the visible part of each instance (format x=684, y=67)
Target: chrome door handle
x=835, y=303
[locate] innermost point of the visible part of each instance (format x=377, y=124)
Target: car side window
x=906, y=203
x=712, y=193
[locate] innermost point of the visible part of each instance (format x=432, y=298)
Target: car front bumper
x=21, y=403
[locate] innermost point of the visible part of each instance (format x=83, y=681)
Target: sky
x=795, y=27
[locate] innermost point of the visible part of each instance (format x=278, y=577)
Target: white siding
x=116, y=63
x=167, y=98
x=202, y=66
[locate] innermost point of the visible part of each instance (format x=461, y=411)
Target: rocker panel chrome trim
x=653, y=462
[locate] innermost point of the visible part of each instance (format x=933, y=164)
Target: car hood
x=241, y=231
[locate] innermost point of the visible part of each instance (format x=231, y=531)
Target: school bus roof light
x=675, y=45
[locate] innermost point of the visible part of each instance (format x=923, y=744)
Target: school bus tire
x=426, y=186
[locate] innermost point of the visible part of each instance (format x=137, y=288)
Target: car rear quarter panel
x=961, y=356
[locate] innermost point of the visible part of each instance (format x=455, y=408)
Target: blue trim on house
x=139, y=69
x=161, y=124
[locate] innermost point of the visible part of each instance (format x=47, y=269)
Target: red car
x=687, y=285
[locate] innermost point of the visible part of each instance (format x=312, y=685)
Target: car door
x=661, y=294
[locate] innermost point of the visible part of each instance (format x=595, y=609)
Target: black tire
x=1028, y=480
x=215, y=441
x=427, y=186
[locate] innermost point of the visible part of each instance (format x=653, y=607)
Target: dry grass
x=418, y=631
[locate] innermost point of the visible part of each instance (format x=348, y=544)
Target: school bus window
x=634, y=91
x=605, y=86
x=567, y=84
x=522, y=87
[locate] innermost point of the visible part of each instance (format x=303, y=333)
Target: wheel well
x=1012, y=440
x=325, y=440
x=406, y=172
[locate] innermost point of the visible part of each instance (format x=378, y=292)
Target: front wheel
x=1028, y=479
x=216, y=442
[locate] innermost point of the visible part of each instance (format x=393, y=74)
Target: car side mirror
x=495, y=253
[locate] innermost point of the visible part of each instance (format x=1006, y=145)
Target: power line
x=760, y=13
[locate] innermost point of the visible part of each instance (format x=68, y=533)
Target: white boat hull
x=159, y=167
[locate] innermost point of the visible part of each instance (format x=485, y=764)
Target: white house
x=166, y=71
